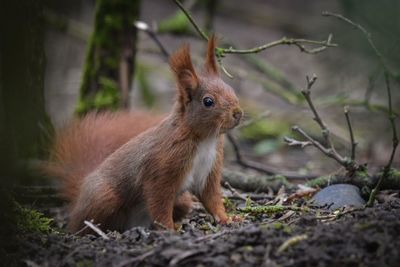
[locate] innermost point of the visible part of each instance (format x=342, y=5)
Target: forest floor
x=296, y=235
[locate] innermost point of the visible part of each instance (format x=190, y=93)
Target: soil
x=368, y=237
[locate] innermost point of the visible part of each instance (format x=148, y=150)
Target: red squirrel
x=123, y=170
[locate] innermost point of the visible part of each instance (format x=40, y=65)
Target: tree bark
x=110, y=59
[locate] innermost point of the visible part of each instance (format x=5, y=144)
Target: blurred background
x=61, y=59
x=267, y=82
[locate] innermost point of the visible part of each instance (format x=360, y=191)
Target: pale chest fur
x=203, y=162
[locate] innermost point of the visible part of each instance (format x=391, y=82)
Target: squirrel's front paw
x=229, y=219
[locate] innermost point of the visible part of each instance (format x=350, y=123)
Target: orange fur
x=84, y=143
x=123, y=169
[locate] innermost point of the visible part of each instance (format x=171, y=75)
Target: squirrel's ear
x=181, y=65
x=211, y=64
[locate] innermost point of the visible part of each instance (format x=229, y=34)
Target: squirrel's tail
x=84, y=143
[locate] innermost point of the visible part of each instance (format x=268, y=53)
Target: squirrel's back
x=84, y=143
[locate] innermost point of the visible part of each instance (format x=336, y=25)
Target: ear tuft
x=211, y=64
x=181, y=65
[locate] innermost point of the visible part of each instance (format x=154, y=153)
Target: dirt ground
x=311, y=237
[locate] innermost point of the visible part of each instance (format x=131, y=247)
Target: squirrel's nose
x=237, y=114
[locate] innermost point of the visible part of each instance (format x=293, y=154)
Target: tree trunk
x=24, y=125
x=110, y=58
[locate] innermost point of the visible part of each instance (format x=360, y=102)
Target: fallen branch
x=360, y=179
x=254, y=182
x=233, y=191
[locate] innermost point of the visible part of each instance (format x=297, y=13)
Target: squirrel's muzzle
x=237, y=115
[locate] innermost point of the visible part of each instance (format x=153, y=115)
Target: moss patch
x=32, y=221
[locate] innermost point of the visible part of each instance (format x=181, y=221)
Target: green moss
x=112, y=31
x=321, y=181
x=32, y=221
x=395, y=174
x=248, y=202
x=178, y=24
x=392, y=181
x=269, y=209
x=108, y=96
x=229, y=205
x=277, y=225
x=362, y=172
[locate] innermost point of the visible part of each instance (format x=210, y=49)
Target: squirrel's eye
x=208, y=102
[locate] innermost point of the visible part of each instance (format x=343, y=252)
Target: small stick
x=97, y=230
x=353, y=143
x=80, y=231
x=190, y=18
x=140, y=25
x=327, y=151
x=233, y=191
x=294, y=142
x=284, y=41
x=306, y=93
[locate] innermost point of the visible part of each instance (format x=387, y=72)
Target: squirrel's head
x=205, y=102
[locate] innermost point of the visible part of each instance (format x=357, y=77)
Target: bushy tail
x=84, y=143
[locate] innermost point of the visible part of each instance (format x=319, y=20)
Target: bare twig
x=221, y=52
x=326, y=150
x=306, y=93
x=329, y=150
x=261, y=167
x=80, y=231
x=233, y=191
x=395, y=141
x=293, y=142
x=366, y=34
x=353, y=143
x=97, y=230
x=283, y=41
x=190, y=18
x=140, y=25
